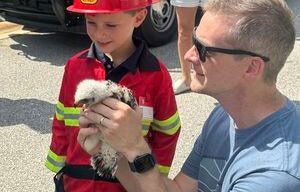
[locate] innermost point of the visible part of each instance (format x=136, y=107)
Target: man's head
x=258, y=33
x=110, y=23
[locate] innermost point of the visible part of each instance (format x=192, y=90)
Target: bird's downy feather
x=88, y=93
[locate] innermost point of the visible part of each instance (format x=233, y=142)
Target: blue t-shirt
x=261, y=158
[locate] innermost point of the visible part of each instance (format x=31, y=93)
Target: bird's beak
x=80, y=103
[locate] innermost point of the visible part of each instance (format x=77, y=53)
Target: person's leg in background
x=186, y=13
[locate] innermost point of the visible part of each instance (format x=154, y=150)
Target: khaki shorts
x=185, y=3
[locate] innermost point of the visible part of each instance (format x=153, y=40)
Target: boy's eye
x=111, y=25
x=91, y=22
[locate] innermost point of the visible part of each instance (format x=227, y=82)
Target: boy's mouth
x=104, y=43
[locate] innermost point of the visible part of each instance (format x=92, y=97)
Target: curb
x=7, y=29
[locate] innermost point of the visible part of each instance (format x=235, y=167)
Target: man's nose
x=191, y=55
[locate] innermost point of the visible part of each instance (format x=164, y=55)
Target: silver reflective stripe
x=59, y=111
x=72, y=116
x=55, y=163
x=145, y=127
x=167, y=127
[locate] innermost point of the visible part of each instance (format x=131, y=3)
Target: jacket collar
x=141, y=58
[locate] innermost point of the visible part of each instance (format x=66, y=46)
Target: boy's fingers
x=84, y=133
x=83, y=120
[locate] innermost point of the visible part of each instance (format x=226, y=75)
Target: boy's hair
x=133, y=12
x=261, y=26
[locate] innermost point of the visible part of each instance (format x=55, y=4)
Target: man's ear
x=140, y=17
x=255, y=68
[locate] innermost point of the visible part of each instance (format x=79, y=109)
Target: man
x=251, y=141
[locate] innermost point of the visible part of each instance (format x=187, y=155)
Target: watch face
x=144, y=163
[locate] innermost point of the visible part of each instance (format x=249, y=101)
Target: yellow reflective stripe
x=164, y=169
x=72, y=122
x=54, y=162
x=52, y=167
x=56, y=157
x=72, y=115
x=72, y=110
x=169, y=131
x=59, y=116
x=59, y=112
x=168, y=126
x=147, y=121
x=145, y=125
x=145, y=129
x=167, y=122
x=145, y=132
x=69, y=114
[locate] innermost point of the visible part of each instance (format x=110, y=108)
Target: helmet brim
x=71, y=8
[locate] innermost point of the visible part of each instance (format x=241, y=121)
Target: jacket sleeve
x=165, y=128
x=59, y=143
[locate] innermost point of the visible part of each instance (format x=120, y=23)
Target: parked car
x=158, y=28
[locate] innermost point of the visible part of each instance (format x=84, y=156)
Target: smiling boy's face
x=112, y=32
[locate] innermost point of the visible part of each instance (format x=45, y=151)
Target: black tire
x=160, y=26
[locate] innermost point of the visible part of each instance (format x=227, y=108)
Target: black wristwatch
x=142, y=163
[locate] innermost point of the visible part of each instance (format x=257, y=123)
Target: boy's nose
x=100, y=34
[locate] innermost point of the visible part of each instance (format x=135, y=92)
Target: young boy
x=117, y=56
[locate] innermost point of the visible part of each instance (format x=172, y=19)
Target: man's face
x=220, y=73
x=111, y=32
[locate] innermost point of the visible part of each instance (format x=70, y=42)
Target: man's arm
x=122, y=130
x=153, y=180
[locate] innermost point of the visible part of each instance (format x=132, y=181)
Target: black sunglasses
x=202, y=50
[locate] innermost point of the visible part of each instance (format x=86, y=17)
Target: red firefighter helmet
x=108, y=6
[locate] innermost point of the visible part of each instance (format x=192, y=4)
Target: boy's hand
x=87, y=136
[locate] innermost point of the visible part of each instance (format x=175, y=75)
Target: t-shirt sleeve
x=192, y=163
x=267, y=181
x=191, y=166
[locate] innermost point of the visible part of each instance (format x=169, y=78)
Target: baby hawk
x=90, y=92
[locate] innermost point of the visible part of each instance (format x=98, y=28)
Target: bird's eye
x=92, y=99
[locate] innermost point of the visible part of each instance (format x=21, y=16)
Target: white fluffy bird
x=90, y=92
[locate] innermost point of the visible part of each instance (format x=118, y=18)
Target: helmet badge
x=88, y=1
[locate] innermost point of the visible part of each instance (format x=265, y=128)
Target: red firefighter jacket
x=152, y=86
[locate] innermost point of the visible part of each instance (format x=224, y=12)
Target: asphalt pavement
x=31, y=69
